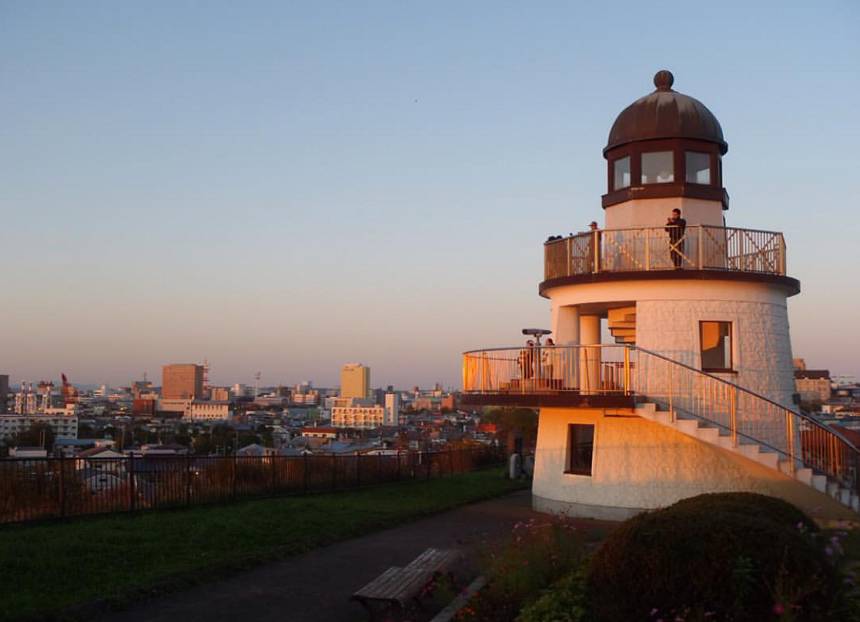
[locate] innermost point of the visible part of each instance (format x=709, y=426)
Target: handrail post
x=671, y=391
x=595, y=241
x=648, y=250
x=626, y=370
x=568, y=266
x=701, y=248
x=782, y=268
x=733, y=409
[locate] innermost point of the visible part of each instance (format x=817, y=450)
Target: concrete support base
x=583, y=510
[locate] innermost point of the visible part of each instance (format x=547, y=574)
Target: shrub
x=536, y=554
x=750, y=504
x=564, y=601
x=715, y=557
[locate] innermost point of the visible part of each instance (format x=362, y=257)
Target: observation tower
x=671, y=373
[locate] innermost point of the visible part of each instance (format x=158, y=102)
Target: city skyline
x=232, y=186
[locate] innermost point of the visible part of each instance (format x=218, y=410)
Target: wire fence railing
x=50, y=488
x=695, y=247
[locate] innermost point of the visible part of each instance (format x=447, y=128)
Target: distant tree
x=202, y=445
x=38, y=435
x=514, y=422
x=86, y=431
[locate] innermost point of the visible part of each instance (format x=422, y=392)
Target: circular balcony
x=693, y=252
x=541, y=376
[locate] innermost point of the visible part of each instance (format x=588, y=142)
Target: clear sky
x=285, y=187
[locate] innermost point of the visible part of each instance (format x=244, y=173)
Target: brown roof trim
x=539, y=400
x=790, y=284
x=663, y=191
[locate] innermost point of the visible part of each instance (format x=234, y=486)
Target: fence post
x=398, y=465
x=62, y=490
x=187, y=479
x=272, y=458
x=334, y=471
x=131, y=491
x=357, y=469
x=234, y=463
x=429, y=464
x=305, y=474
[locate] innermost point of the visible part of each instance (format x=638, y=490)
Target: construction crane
x=70, y=393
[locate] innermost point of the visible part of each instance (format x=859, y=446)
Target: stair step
x=819, y=482
x=650, y=407
x=750, y=451
x=844, y=496
x=709, y=435
x=768, y=459
x=855, y=502
x=804, y=475
x=687, y=426
x=726, y=442
x=833, y=489
x=664, y=417
x=785, y=466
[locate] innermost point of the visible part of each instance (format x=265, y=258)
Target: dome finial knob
x=664, y=80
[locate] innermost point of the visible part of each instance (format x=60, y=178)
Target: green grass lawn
x=61, y=567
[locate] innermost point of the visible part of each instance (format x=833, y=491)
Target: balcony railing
x=619, y=370
x=695, y=247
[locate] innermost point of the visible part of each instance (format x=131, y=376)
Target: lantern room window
x=698, y=167
x=658, y=167
x=621, y=173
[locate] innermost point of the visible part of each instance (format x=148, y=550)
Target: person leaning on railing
x=675, y=227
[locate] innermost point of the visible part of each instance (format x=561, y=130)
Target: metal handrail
x=609, y=369
x=668, y=247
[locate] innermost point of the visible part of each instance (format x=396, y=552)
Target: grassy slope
x=52, y=567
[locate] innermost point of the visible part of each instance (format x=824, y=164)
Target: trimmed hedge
x=740, y=557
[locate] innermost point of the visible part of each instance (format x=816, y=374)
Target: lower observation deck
x=576, y=376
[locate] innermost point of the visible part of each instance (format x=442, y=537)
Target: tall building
x=4, y=392
x=392, y=409
x=355, y=381
x=182, y=381
x=671, y=371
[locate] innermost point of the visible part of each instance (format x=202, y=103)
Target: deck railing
x=695, y=247
x=747, y=417
x=47, y=488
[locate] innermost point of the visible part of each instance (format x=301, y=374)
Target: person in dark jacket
x=675, y=227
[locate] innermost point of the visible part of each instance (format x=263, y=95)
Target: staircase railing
x=799, y=439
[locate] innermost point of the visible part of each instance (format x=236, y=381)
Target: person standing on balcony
x=527, y=360
x=675, y=227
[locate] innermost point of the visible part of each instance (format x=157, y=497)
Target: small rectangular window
x=716, y=342
x=621, y=173
x=580, y=448
x=698, y=167
x=658, y=167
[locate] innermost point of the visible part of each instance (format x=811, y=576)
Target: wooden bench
x=399, y=586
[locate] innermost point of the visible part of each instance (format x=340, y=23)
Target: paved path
x=315, y=586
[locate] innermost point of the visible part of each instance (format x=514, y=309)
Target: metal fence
x=46, y=488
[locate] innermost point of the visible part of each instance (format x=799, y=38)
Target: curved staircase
x=806, y=450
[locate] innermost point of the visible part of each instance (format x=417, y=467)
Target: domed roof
x=665, y=114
